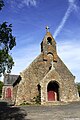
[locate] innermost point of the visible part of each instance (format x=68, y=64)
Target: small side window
x=49, y=41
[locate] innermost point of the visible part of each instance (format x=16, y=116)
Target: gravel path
x=64, y=112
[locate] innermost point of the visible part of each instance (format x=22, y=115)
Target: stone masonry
x=48, y=77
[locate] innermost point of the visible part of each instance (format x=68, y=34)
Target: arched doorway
x=53, y=91
x=8, y=93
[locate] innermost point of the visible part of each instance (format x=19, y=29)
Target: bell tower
x=48, y=47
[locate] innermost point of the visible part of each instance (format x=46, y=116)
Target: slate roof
x=10, y=79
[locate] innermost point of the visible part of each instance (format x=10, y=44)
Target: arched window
x=8, y=93
x=49, y=41
x=39, y=94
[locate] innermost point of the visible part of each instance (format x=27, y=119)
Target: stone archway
x=53, y=91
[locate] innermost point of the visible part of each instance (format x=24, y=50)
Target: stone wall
x=36, y=74
x=40, y=72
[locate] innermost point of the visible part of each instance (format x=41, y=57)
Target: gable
x=51, y=75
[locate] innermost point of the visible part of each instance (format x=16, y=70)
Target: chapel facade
x=46, y=78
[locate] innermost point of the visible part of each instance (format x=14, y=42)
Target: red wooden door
x=51, y=96
x=8, y=93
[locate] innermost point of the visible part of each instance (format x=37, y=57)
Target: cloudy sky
x=29, y=19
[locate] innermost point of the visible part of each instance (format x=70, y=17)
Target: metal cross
x=47, y=28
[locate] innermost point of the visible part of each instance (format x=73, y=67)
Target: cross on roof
x=52, y=65
x=47, y=28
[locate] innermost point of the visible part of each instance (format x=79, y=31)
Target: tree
x=1, y=85
x=7, y=42
x=1, y=4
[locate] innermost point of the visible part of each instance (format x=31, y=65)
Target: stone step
x=56, y=103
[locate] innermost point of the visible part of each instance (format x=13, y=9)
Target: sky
x=29, y=19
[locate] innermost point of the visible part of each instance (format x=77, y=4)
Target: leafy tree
x=7, y=42
x=1, y=4
x=78, y=86
x=1, y=85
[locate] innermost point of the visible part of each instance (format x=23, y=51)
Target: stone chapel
x=47, y=77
